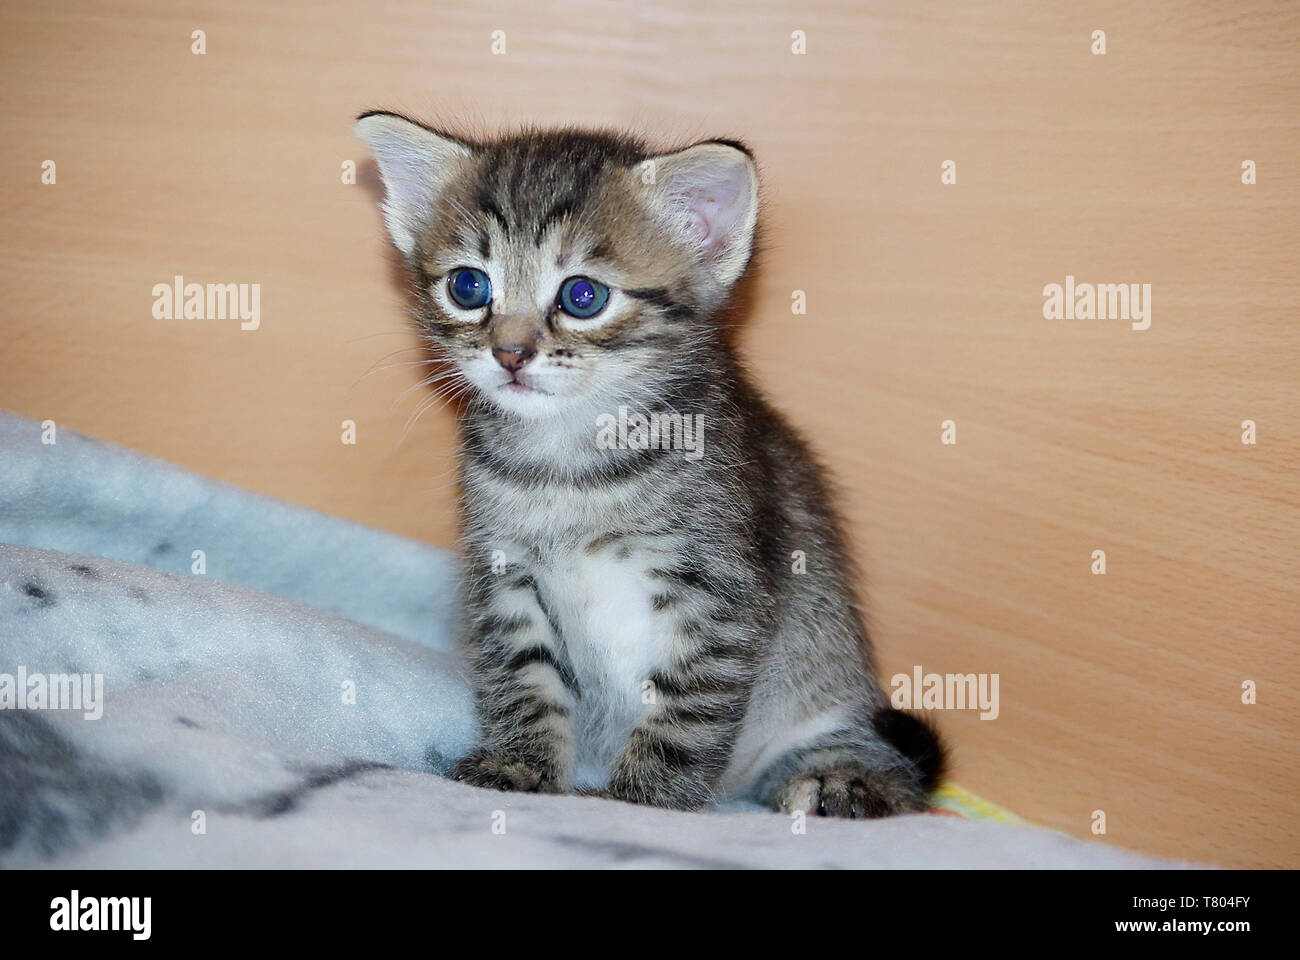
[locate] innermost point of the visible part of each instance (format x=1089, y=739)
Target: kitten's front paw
x=500, y=772
x=849, y=792
x=651, y=790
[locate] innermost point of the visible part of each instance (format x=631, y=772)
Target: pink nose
x=513, y=358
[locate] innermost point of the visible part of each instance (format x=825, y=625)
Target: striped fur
x=638, y=623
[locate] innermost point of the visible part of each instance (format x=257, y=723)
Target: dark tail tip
x=915, y=737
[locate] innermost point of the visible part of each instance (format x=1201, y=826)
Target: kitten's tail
x=915, y=737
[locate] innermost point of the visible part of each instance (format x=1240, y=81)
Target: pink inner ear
x=697, y=227
x=715, y=203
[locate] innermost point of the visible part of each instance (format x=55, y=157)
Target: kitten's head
x=563, y=269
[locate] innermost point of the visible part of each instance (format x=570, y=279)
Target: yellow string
x=963, y=801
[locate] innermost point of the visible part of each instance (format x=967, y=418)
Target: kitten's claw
x=849, y=792
x=498, y=772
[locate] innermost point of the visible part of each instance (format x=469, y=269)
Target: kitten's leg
x=888, y=771
x=675, y=756
x=679, y=750
x=525, y=690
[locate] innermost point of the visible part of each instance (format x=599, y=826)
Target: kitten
x=639, y=621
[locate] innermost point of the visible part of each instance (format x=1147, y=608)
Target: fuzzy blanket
x=195, y=676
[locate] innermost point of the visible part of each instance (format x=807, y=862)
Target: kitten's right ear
x=708, y=196
x=415, y=164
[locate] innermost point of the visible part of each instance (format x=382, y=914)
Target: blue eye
x=583, y=297
x=470, y=288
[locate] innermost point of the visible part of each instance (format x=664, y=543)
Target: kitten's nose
x=514, y=358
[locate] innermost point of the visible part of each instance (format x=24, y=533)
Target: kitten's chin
x=527, y=402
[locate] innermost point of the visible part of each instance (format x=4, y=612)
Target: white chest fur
x=614, y=640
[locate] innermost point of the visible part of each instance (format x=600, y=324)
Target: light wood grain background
x=1120, y=692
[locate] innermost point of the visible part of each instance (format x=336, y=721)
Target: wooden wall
x=1119, y=692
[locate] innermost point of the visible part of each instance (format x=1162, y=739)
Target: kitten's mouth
x=516, y=385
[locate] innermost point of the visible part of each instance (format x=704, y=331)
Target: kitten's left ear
x=708, y=196
x=415, y=164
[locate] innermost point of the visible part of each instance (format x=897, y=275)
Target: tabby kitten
x=639, y=622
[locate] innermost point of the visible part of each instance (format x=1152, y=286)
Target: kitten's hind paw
x=849, y=792
x=500, y=772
